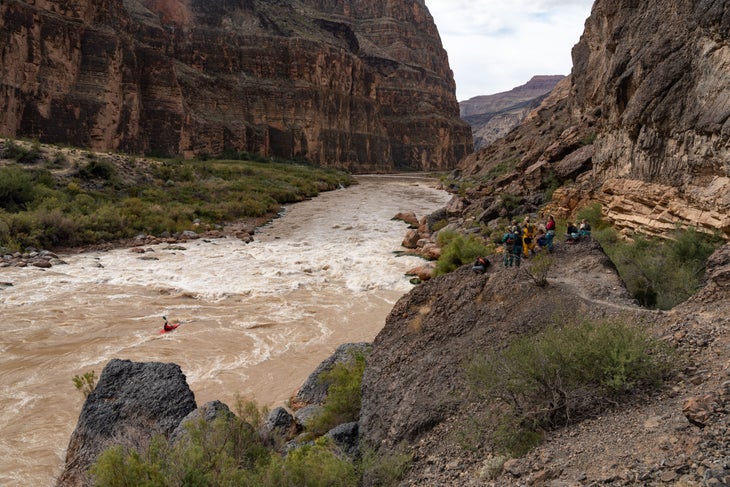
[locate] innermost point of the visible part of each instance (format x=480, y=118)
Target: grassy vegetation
x=659, y=273
x=59, y=203
x=229, y=451
x=457, y=250
x=342, y=404
x=562, y=375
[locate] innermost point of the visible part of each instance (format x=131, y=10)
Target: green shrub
x=661, y=273
x=120, y=466
x=224, y=452
x=20, y=153
x=564, y=374
x=307, y=466
x=658, y=273
x=457, y=250
x=97, y=170
x=85, y=383
x=16, y=188
x=379, y=469
x=56, y=229
x=510, y=201
x=342, y=404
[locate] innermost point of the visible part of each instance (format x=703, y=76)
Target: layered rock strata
x=357, y=85
x=493, y=116
x=649, y=93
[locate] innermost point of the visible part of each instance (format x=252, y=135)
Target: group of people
x=574, y=232
x=522, y=241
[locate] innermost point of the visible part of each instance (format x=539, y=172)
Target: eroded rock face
x=656, y=72
x=358, y=85
x=415, y=380
x=493, y=116
x=649, y=93
x=131, y=402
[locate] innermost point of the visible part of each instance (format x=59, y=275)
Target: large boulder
x=131, y=402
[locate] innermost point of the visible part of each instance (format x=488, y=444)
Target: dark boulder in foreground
x=131, y=403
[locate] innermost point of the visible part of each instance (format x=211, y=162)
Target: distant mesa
x=492, y=116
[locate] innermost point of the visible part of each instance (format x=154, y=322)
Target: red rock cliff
x=357, y=85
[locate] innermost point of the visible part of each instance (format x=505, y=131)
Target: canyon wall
x=364, y=86
x=644, y=127
x=493, y=116
x=656, y=76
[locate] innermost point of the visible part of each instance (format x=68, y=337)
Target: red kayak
x=172, y=328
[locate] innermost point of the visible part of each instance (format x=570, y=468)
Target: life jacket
x=510, y=239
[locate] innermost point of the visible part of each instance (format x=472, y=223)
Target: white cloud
x=495, y=45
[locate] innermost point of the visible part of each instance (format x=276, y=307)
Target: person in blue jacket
x=512, y=246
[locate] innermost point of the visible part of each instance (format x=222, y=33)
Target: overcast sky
x=496, y=45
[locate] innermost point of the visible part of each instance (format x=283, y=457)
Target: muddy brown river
x=256, y=318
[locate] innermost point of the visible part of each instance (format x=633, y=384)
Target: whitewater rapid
x=256, y=318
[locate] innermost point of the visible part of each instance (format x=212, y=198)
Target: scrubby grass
x=342, y=404
x=564, y=374
x=228, y=451
x=658, y=273
x=95, y=201
x=457, y=250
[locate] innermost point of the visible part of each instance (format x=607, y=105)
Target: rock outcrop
x=363, y=86
x=415, y=395
x=131, y=402
x=649, y=92
x=493, y=116
x=414, y=379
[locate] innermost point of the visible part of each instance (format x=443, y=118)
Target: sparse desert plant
x=538, y=268
x=384, y=469
x=85, y=382
x=564, y=374
x=342, y=404
x=16, y=188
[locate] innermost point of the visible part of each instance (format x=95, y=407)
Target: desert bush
x=85, y=382
x=538, y=268
x=457, y=250
x=658, y=273
x=95, y=169
x=16, y=188
x=384, y=469
x=662, y=273
x=222, y=452
x=307, y=466
x=564, y=374
x=342, y=404
x=22, y=154
x=56, y=229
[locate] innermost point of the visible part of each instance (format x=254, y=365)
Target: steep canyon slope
x=363, y=86
x=493, y=116
x=643, y=127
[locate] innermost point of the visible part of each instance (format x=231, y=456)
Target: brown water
x=256, y=319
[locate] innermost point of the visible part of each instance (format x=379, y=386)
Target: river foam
x=255, y=318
